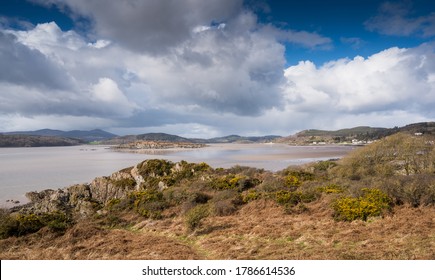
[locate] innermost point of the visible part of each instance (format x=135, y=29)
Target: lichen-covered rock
x=79, y=193
x=137, y=177
x=118, y=185
x=48, y=201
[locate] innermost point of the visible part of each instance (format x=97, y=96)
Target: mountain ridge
x=308, y=136
x=84, y=135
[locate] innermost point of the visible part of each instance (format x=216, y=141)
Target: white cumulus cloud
x=394, y=81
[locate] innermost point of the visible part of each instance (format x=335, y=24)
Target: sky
x=211, y=68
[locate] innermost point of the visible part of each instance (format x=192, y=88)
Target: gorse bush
x=22, y=224
x=331, y=188
x=251, y=195
x=233, y=182
x=148, y=203
x=293, y=198
x=372, y=203
x=56, y=221
x=296, y=176
x=292, y=181
x=194, y=216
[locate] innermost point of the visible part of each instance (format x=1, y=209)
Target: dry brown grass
x=259, y=230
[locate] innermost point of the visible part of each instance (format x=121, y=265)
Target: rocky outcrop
x=84, y=200
x=81, y=200
x=118, y=185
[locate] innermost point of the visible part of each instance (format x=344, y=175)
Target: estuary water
x=34, y=169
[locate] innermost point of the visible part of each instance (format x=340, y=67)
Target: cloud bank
x=199, y=69
x=395, y=18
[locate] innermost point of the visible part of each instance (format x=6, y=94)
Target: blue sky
x=210, y=68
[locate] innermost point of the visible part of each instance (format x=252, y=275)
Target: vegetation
x=22, y=224
x=372, y=203
x=399, y=154
x=195, y=215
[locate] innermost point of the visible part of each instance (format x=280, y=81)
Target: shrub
x=233, y=182
x=124, y=183
x=225, y=203
x=113, y=203
x=220, y=183
x=8, y=224
x=271, y=183
x=22, y=224
x=288, y=198
x=188, y=170
x=416, y=190
x=156, y=167
x=372, y=203
x=56, y=221
x=301, y=175
x=148, y=203
x=397, y=154
x=331, y=188
x=292, y=181
x=195, y=216
x=199, y=198
x=324, y=165
x=176, y=196
x=250, y=196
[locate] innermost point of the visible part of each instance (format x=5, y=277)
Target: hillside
x=361, y=134
x=155, y=137
x=163, y=137
x=85, y=135
x=36, y=141
x=376, y=203
x=347, y=132
x=243, y=139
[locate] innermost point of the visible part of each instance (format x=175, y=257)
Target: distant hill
x=363, y=133
x=163, y=137
x=85, y=135
x=360, y=130
x=16, y=140
x=423, y=127
x=158, y=137
x=237, y=138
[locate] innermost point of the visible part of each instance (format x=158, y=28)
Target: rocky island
x=157, y=145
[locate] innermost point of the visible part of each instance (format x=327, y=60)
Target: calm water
x=33, y=169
